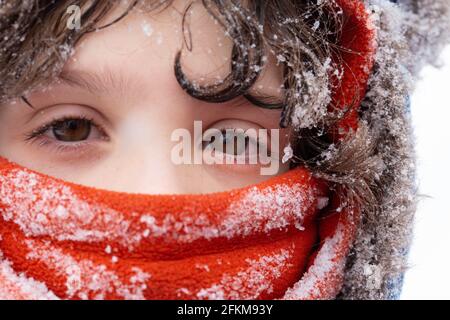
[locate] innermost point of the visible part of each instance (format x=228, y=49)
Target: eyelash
x=37, y=135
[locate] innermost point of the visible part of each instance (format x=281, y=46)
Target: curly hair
x=302, y=35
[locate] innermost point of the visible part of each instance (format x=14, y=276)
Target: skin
x=121, y=81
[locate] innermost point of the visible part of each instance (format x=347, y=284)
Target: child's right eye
x=71, y=130
x=67, y=133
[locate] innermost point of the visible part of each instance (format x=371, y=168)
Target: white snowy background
x=429, y=273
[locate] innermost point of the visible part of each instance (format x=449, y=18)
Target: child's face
x=108, y=121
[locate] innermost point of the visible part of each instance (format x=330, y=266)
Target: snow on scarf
x=61, y=240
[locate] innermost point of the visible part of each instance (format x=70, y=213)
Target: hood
x=410, y=34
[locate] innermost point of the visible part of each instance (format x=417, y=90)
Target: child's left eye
x=240, y=140
x=234, y=143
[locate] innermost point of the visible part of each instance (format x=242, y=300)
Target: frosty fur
x=410, y=35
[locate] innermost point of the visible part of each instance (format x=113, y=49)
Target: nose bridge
x=150, y=176
x=144, y=148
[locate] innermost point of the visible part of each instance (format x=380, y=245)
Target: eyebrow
x=112, y=82
x=106, y=82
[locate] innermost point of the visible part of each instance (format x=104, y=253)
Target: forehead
x=150, y=40
x=144, y=44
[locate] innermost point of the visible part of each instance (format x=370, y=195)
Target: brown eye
x=239, y=143
x=231, y=142
x=72, y=130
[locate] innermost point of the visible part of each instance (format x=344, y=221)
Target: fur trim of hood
x=410, y=34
